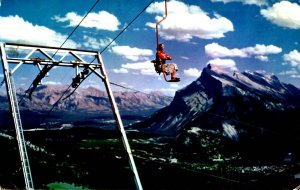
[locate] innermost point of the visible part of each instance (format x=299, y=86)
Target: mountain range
x=254, y=109
x=87, y=100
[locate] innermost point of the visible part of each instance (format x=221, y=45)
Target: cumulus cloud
x=216, y=50
x=283, y=13
x=293, y=73
x=258, y=51
x=246, y=2
x=132, y=53
x=101, y=20
x=227, y=64
x=192, y=72
x=51, y=83
x=143, y=68
x=170, y=91
x=289, y=72
x=95, y=43
x=185, y=58
x=185, y=22
x=121, y=70
x=292, y=58
x=16, y=29
x=262, y=58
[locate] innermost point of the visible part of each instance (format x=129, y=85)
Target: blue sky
x=234, y=34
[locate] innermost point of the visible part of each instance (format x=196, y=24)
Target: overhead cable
x=65, y=42
x=127, y=26
x=76, y=27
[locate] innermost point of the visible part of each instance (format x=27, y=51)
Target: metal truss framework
x=58, y=57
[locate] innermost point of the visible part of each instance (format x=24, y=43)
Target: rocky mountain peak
x=232, y=96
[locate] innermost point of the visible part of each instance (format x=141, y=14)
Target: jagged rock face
x=231, y=104
x=89, y=100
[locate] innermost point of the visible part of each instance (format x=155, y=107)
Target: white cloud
x=101, y=20
x=185, y=22
x=174, y=85
x=247, y=2
x=16, y=29
x=224, y=64
x=132, y=53
x=121, y=70
x=51, y=83
x=169, y=91
x=262, y=58
x=289, y=72
x=216, y=50
x=292, y=58
x=90, y=83
x=283, y=13
x=96, y=43
x=183, y=57
x=192, y=72
x=258, y=51
x=23, y=78
x=143, y=68
x=293, y=73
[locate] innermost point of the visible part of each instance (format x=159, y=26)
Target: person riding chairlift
x=162, y=66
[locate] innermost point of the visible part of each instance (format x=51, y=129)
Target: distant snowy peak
x=89, y=99
x=257, y=82
x=238, y=95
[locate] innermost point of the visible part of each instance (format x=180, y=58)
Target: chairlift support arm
x=158, y=22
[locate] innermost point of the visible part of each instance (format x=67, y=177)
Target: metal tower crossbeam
x=53, y=56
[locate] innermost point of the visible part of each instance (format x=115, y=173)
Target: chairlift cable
x=22, y=98
x=127, y=26
x=100, y=53
x=112, y=42
x=76, y=27
x=108, y=44
x=56, y=103
x=65, y=41
x=158, y=22
x=94, y=5
x=115, y=84
x=2, y=82
x=76, y=87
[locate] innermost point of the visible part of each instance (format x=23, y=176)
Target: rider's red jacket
x=162, y=56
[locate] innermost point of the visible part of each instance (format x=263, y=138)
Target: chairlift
x=158, y=62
